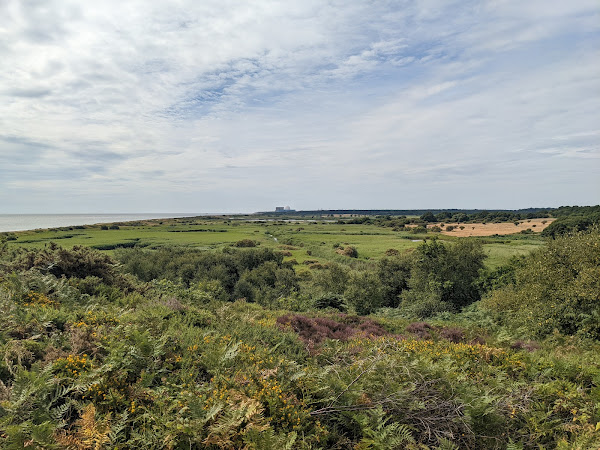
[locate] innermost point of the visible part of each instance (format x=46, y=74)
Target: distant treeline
x=444, y=217
x=403, y=212
x=569, y=218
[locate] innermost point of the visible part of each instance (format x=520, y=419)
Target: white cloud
x=121, y=104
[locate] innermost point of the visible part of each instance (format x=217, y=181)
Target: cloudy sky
x=238, y=106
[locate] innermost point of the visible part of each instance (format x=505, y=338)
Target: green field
x=305, y=240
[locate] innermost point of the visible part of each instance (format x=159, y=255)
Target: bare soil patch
x=489, y=229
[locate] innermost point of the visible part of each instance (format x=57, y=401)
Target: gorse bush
x=78, y=262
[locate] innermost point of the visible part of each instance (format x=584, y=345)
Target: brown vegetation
x=314, y=330
x=489, y=229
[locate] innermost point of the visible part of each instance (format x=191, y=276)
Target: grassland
x=304, y=241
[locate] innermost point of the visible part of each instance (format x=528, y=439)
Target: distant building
x=279, y=209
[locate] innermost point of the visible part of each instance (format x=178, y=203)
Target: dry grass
x=489, y=229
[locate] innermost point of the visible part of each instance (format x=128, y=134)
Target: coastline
x=27, y=222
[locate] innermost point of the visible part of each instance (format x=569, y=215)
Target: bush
x=393, y=274
x=570, y=224
x=555, y=288
x=78, y=262
x=331, y=300
x=452, y=334
x=364, y=292
x=350, y=252
x=245, y=243
x=227, y=267
x=443, y=277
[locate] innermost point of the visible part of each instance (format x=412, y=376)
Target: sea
x=20, y=222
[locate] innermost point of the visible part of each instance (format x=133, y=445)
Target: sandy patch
x=488, y=229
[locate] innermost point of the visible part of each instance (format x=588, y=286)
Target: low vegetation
x=419, y=347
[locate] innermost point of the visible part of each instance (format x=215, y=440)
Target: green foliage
x=78, y=262
x=380, y=434
x=247, y=273
x=331, y=300
x=428, y=217
x=555, y=288
x=443, y=277
x=155, y=354
x=364, y=292
x=570, y=224
x=393, y=273
x=332, y=279
x=573, y=219
x=245, y=243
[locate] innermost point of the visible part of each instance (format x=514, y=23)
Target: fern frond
x=446, y=444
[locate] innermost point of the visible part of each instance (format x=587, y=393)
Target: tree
x=364, y=292
x=555, y=288
x=393, y=273
x=333, y=279
x=444, y=277
x=428, y=217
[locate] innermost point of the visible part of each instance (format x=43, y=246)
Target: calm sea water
x=19, y=222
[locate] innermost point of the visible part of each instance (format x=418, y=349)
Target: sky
x=236, y=106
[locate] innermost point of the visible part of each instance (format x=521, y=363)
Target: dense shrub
x=333, y=278
x=452, y=334
x=364, y=291
x=570, y=224
x=78, y=262
x=331, y=300
x=393, y=273
x=443, y=277
x=245, y=243
x=422, y=330
x=555, y=288
x=234, y=269
x=348, y=251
